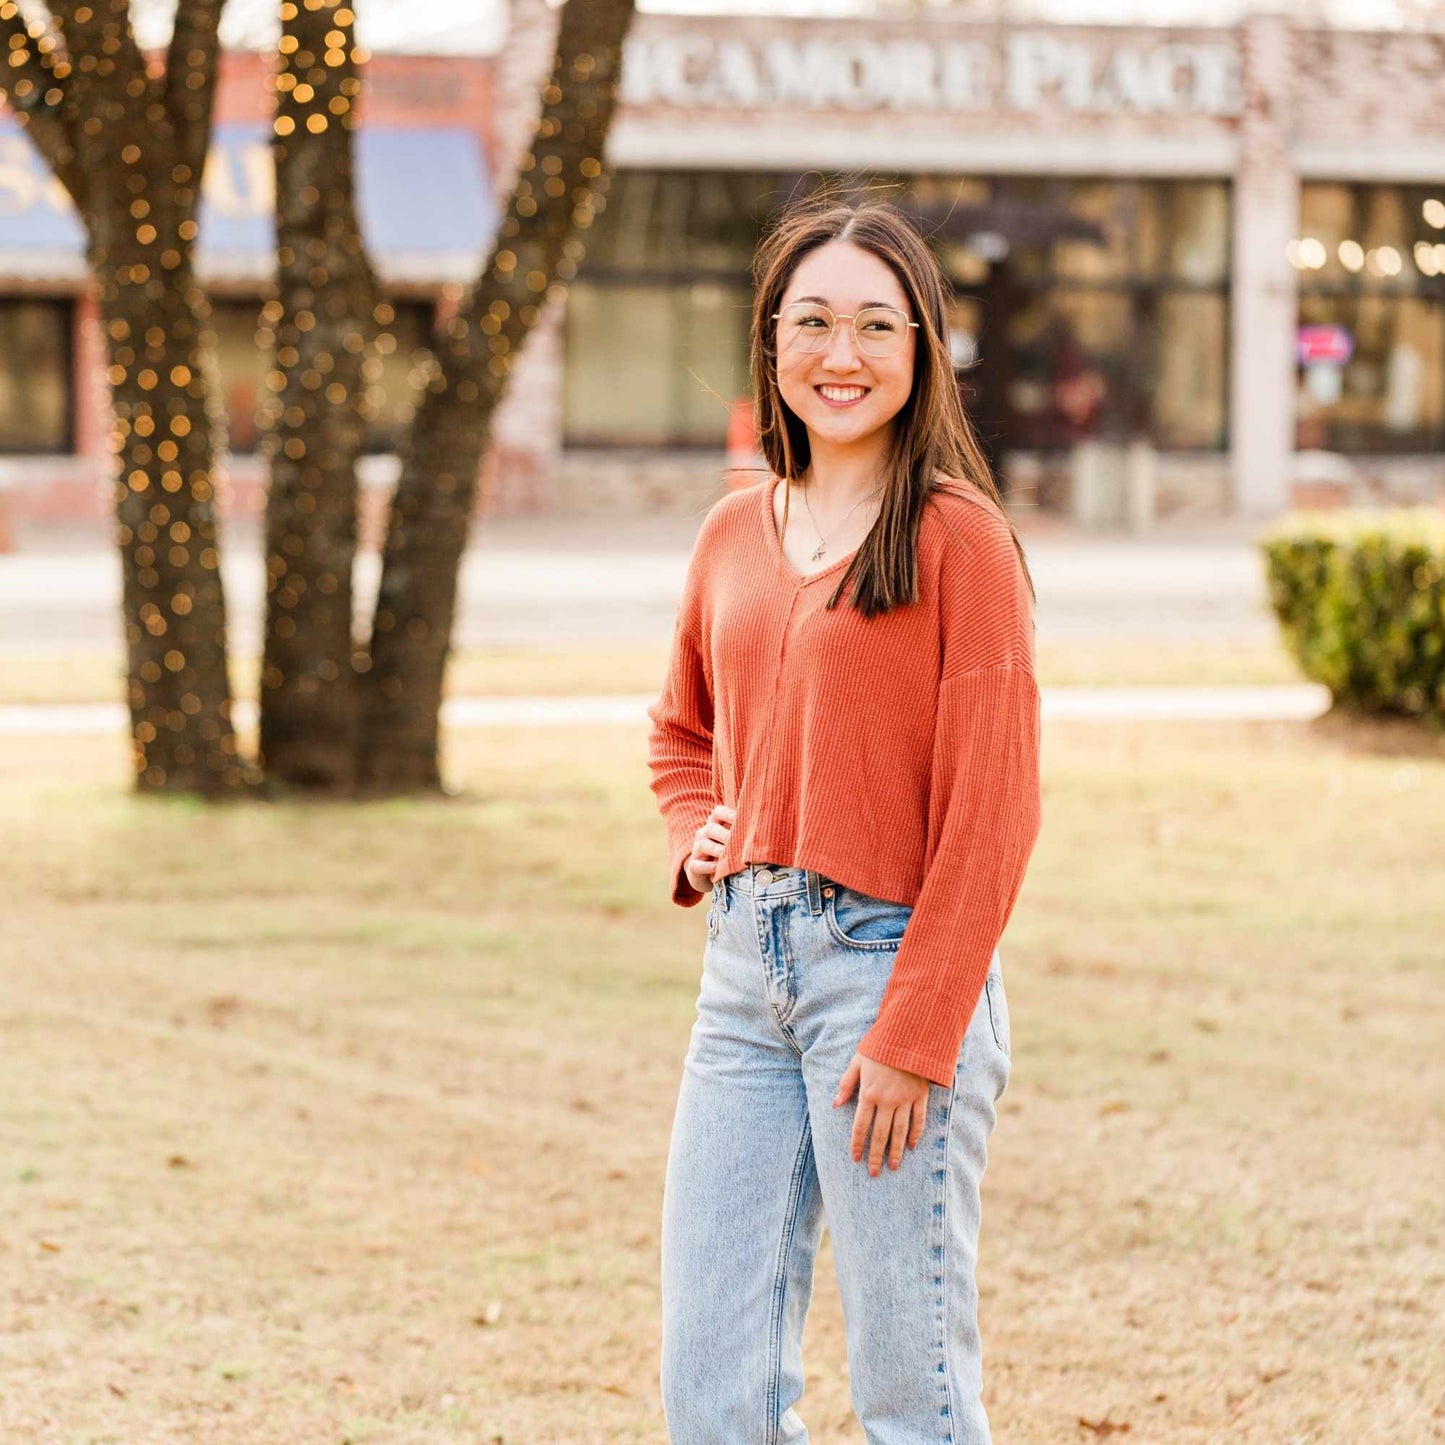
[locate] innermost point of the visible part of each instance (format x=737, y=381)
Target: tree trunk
x=536, y=252
x=172, y=600
x=129, y=145
x=322, y=323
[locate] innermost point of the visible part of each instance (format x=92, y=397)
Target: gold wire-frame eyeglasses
x=886, y=342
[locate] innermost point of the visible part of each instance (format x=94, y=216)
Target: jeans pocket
x=712, y=914
x=858, y=920
x=998, y=1012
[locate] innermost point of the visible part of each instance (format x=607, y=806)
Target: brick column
x=1264, y=300
x=91, y=409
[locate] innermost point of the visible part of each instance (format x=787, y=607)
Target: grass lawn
x=325, y=1124
x=98, y=677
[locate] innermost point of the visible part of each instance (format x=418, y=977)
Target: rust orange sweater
x=898, y=756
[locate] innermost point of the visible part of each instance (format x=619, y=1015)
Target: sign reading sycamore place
x=1024, y=71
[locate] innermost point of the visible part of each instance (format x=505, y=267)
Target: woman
x=846, y=755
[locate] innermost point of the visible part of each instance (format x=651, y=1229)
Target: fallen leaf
x=115, y=1390
x=221, y=1008
x=50, y=1246
x=178, y=1161
x=1106, y=1426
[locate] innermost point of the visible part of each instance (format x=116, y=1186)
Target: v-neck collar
x=770, y=524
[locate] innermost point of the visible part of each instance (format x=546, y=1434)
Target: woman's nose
x=841, y=352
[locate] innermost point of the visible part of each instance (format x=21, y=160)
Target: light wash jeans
x=793, y=975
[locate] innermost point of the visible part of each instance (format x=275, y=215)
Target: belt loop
x=815, y=893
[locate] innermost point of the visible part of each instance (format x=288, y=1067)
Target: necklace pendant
x=817, y=552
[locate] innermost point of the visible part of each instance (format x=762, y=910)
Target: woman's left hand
x=893, y=1101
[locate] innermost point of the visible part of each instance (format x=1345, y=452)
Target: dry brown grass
x=326, y=1124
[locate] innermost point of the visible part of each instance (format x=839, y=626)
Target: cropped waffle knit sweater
x=898, y=756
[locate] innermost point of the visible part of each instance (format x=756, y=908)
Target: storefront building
x=1223, y=249
x=1227, y=246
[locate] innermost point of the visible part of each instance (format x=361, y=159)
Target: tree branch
x=33, y=84
x=537, y=251
x=108, y=80
x=103, y=30
x=538, y=245
x=190, y=83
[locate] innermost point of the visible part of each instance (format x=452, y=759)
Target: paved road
x=593, y=581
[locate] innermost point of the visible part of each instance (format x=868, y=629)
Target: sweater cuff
x=934, y=1067
x=683, y=893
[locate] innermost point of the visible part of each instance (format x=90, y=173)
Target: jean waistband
x=772, y=880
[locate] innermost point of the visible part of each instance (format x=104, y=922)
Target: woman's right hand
x=701, y=863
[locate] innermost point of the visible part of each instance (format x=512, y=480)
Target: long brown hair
x=933, y=448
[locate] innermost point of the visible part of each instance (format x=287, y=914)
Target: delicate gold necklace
x=822, y=546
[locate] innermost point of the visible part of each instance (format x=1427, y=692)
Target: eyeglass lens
x=804, y=326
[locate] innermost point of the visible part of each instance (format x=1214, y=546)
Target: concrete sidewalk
x=597, y=581
x=1299, y=702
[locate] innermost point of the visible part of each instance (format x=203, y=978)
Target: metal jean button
x=763, y=877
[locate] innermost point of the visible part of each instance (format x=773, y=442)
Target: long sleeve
x=984, y=816
x=679, y=748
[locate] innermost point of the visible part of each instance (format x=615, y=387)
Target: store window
x=654, y=364
x=1371, y=356
x=242, y=366
x=657, y=324
x=1084, y=307
x=35, y=375
x=1102, y=308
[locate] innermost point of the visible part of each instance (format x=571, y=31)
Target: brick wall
x=1357, y=85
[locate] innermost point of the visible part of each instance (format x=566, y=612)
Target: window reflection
x=35, y=370
x=242, y=366
x=1368, y=265
x=657, y=325
x=1107, y=316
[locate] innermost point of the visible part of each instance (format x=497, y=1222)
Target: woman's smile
x=842, y=396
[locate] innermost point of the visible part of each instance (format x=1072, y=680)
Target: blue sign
x=420, y=193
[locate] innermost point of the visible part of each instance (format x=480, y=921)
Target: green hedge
x=1360, y=597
